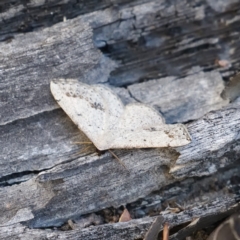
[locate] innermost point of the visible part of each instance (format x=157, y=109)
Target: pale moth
x=101, y=115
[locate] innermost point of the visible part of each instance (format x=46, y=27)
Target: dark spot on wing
x=97, y=106
x=68, y=94
x=170, y=135
x=152, y=129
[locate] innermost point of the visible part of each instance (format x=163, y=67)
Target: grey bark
x=47, y=179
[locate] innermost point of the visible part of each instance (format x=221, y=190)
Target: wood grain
x=46, y=179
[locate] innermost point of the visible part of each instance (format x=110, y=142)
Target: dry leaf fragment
x=125, y=217
x=223, y=63
x=71, y=224
x=68, y=226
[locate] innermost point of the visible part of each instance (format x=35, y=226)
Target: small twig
x=182, y=208
x=166, y=231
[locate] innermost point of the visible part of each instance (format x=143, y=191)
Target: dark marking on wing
x=97, y=106
x=170, y=135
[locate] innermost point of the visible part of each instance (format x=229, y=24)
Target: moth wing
x=143, y=127
x=91, y=108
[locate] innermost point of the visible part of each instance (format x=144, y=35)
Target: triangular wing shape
x=141, y=126
x=100, y=114
x=94, y=109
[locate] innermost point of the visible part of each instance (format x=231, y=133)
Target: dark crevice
x=30, y=117
x=130, y=94
x=17, y=178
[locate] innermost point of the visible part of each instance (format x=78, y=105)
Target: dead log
x=46, y=179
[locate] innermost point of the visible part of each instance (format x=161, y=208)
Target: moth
x=101, y=115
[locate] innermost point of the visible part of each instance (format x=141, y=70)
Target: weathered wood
x=150, y=39
x=181, y=100
x=152, y=233
x=135, y=229
x=92, y=183
x=229, y=229
x=47, y=179
x=206, y=221
x=29, y=63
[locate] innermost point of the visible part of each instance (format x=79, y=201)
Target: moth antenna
x=84, y=149
x=83, y=142
x=120, y=161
